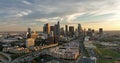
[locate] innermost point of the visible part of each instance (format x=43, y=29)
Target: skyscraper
x=57, y=32
x=93, y=32
x=79, y=29
x=71, y=30
x=46, y=28
x=100, y=30
x=62, y=31
x=66, y=30
x=84, y=32
x=57, y=29
x=51, y=28
x=29, y=33
x=89, y=32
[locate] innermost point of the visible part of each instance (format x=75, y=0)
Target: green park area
x=107, y=55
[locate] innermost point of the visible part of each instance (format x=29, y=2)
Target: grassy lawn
x=107, y=52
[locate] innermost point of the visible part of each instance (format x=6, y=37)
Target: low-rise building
x=66, y=51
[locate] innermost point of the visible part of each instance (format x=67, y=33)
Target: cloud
x=32, y=24
x=23, y=13
x=26, y=2
x=72, y=17
x=42, y=20
x=66, y=11
x=49, y=20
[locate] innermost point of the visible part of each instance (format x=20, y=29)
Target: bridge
x=5, y=57
x=32, y=55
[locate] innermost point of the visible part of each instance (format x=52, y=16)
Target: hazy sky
x=20, y=14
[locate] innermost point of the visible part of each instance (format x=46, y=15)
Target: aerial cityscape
x=59, y=31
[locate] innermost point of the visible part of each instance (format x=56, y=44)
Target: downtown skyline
x=18, y=15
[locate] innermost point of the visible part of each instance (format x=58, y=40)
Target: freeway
x=92, y=53
x=32, y=55
x=5, y=57
x=3, y=60
x=29, y=57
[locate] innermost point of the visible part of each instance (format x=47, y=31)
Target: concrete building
x=101, y=30
x=57, y=29
x=52, y=28
x=79, y=29
x=30, y=42
x=34, y=35
x=28, y=33
x=71, y=30
x=66, y=30
x=89, y=32
x=62, y=31
x=66, y=51
x=46, y=28
x=52, y=31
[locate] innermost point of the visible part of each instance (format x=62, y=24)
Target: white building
x=67, y=51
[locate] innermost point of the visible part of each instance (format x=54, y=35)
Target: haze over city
x=18, y=15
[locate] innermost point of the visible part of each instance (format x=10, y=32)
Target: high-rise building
x=30, y=42
x=76, y=33
x=84, y=32
x=57, y=29
x=71, y=30
x=66, y=28
x=34, y=35
x=51, y=28
x=93, y=32
x=100, y=30
x=89, y=32
x=28, y=33
x=62, y=31
x=79, y=29
x=46, y=28
x=57, y=32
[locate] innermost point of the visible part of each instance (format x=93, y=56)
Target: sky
x=18, y=15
